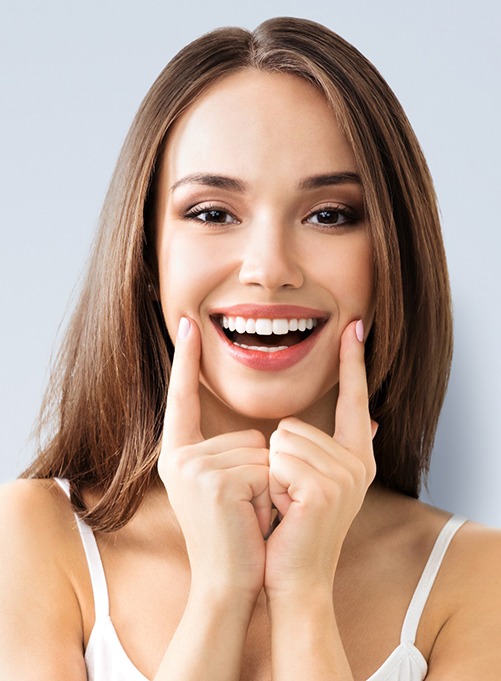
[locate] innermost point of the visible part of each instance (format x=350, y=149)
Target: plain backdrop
x=72, y=75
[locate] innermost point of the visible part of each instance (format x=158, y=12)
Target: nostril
x=271, y=270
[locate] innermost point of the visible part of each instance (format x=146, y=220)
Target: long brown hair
x=102, y=415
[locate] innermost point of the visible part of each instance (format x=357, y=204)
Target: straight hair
x=101, y=420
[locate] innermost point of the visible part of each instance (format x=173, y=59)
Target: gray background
x=71, y=77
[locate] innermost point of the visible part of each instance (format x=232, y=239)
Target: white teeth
x=263, y=348
x=267, y=327
x=250, y=326
x=240, y=325
x=280, y=326
x=264, y=327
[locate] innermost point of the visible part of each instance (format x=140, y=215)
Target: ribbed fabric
x=106, y=659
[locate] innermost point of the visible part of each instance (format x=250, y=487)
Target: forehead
x=255, y=120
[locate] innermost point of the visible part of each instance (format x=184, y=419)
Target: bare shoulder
x=40, y=618
x=21, y=497
x=470, y=568
x=462, y=618
x=469, y=585
x=477, y=551
x=36, y=516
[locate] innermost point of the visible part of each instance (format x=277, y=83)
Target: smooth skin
x=196, y=591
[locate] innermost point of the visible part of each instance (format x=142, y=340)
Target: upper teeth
x=265, y=327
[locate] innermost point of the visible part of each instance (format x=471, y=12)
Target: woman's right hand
x=218, y=488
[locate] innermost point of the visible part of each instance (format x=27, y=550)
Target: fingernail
x=183, y=328
x=359, y=330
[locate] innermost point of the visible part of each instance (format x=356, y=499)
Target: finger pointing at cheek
x=353, y=428
x=182, y=415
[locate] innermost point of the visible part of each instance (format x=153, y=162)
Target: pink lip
x=254, y=311
x=269, y=361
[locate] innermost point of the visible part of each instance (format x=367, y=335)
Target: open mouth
x=266, y=335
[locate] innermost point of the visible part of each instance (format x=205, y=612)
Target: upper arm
x=40, y=621
x=468, y=645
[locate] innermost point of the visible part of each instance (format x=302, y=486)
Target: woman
x=272, y=217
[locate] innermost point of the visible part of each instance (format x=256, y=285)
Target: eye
x=211, y=214
x=332, y=216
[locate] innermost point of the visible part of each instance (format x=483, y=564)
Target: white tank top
x=106, y=660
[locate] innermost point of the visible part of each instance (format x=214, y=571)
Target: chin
x=269, y=402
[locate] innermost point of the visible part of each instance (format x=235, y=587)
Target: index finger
x=182, y=414
x=353, y=423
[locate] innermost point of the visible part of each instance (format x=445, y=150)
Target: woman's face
x=261, y=225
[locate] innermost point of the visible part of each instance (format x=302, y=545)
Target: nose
x=269, y=259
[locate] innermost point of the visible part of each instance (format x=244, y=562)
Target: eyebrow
x=232, y=184
x=219, y=181
x=318, y=181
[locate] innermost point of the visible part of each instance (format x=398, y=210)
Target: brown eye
x=332, y=217
x=216, y=216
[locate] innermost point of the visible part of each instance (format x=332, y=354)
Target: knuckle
x=178, y=458
x=350, y=478
x=260, y=456
x=277, y=460
x=256, y=439
x=371, y=470
x=215, y=484
x=362, y=472
x=358, y=472
x=183, y=463
x=345, y=479
x=194, y=467
x=281, y=440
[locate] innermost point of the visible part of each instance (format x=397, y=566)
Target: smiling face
x=263, y=242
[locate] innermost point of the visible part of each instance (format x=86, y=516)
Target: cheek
x=348, y=272
x=188, y=271
x=361, y=269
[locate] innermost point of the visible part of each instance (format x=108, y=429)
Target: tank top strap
x=94, y=562
x=425, y=584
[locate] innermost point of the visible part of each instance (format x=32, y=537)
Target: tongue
x=254, y=339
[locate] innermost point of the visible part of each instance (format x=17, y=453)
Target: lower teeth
x=262, y=348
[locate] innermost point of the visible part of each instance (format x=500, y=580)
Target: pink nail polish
x=184, y=328
x=359, y=330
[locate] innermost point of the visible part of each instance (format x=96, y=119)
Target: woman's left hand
x=318, y=482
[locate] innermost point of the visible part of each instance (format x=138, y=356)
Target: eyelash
x=195, y=213
x=348, y=215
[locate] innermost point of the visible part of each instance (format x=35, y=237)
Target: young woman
x=246, y=507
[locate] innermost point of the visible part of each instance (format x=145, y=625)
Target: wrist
x=305, y=637
x=311, y=589
x=223, y=599
x=301, y=598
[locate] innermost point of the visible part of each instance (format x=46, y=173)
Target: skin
x=325, y=595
